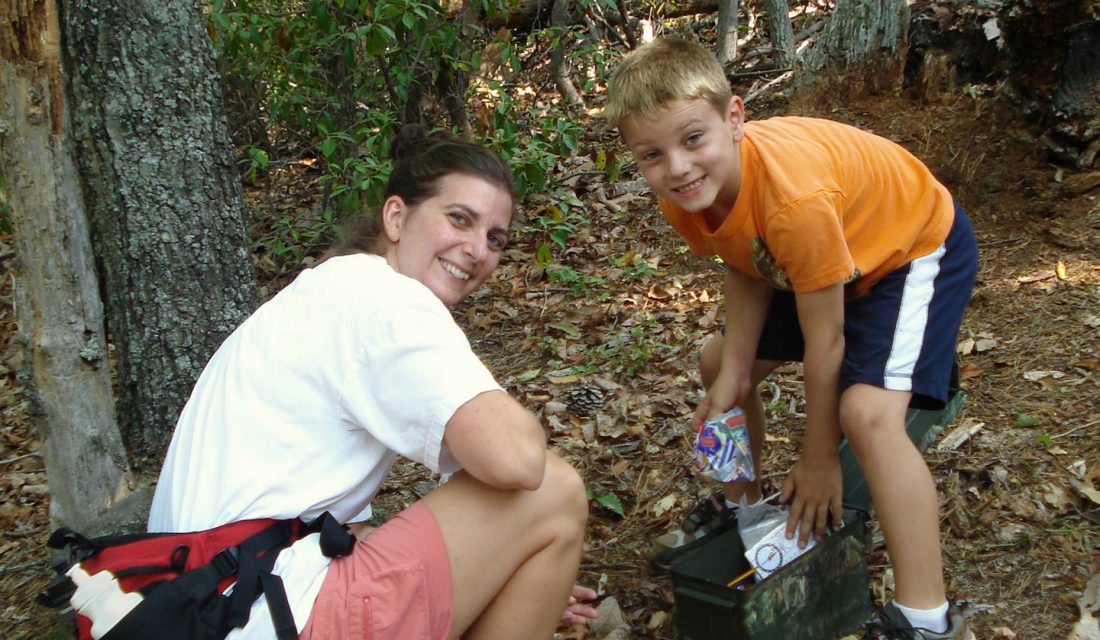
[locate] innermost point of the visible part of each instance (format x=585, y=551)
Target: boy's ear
x=393, y=217
x=736, y=115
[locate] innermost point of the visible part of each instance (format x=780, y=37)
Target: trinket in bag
x=722, y=450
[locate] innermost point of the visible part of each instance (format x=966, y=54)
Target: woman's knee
x=565, y=489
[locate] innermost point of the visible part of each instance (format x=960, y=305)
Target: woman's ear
x=393, y=217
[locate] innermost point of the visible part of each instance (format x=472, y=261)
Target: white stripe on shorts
x=916, y=298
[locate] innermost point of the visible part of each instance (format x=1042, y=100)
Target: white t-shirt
x=304, y=408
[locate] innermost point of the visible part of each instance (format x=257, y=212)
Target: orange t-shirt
x=822, y=203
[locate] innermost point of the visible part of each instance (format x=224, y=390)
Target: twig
x=24, y=567
x=993, y=243
x=24, y=534
x=590, y=566
x=1075, y=430
x=767, y=85
x=18, y=458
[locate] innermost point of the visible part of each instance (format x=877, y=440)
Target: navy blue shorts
x=901, y=334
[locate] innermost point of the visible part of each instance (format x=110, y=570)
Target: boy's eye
x=649, y=156
x=694, y=138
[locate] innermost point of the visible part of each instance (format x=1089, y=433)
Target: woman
x=306, y=405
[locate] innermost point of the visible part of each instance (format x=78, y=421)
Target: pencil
x=741, y=577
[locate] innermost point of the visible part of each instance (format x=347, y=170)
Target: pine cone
x=584, y=398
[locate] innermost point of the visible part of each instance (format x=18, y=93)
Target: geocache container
x=820, y=595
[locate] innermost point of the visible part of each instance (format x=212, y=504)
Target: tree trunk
x=781, y=32
x=163, y=196
x=60, y=315
x=559, y=17
x=1054, y=70
x=726, y=47
x=862, y=50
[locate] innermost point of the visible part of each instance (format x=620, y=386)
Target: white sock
x=734, y=505
x=935, y=620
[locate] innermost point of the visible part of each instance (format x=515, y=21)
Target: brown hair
x=661, y=72
x=421, y=160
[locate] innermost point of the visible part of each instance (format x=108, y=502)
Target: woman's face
x=452, y=241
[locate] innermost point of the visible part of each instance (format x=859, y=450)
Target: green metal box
x=820, y=595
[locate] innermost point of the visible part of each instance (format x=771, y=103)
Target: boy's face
x=689, y=153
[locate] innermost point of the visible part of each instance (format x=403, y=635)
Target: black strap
x=281, y=616
x=336, y=540
x=250, y=567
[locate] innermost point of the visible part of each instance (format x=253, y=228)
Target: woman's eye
x=497, y=242
x=458, y=218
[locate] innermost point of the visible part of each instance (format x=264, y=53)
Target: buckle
x=227, y=561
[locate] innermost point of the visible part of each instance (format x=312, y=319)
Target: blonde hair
x=661, y=72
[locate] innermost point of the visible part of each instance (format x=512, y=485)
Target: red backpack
x=183, y=576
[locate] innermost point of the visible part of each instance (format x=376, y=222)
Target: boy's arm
x=747, y=301
x=814, y=485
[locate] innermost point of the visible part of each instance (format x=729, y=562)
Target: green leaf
x=327, y=147
x=565, y=328
x=528, y=375
x=1045, y=440
x=544, y=256
x=614, y=170
x=1026, y=420
x=611, y=501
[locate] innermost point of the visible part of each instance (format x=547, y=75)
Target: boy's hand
x=813, y=489
x=727, y=391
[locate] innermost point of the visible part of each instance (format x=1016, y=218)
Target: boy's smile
x=689, y=154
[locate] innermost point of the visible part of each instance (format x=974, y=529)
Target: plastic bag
x=722, y=450
x=763, y=529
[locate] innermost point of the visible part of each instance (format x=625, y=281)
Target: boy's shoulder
x=806, y=128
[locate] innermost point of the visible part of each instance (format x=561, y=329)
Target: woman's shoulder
x=367, y=279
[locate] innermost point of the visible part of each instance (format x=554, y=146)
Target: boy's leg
x=514, y=554
x=904, y=494
x=899, y=351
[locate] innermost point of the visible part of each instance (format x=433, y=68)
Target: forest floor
x=625, y=308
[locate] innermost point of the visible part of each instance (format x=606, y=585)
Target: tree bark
x=862, y=50
x=60, y=315
x=726, y=47
x=1054, y=72
x=164, y=200
x=781, y=32
x=558, y=64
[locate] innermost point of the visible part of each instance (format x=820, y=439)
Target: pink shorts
x=395, y=584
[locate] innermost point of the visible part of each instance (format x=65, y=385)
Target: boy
x=842, y=251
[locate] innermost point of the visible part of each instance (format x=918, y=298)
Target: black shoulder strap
x=336, y=540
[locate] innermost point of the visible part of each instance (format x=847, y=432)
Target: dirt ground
x=624, y=309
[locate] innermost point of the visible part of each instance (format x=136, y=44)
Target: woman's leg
x=514, y=554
